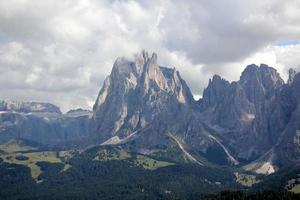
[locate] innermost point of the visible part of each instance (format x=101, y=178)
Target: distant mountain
x=27, y=107
x=41, y=122
x=146, y=108
x=147, y=138
x=19, y=145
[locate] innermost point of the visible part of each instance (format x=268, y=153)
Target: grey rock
x=292, y=74
x=136, y=94
x=256, y=115
x=28, y=107
x=42, y=123
x=146, y=108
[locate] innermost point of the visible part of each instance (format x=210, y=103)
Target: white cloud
x=61, y=50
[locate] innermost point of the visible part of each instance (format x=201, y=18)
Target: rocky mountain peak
x=215, y=91
x=135, y=93
x=292, y=74
x=253, y=108
x=27, y=107
x=262, y=73
x=260, y=81
x=145, y=107
x=296, y=85
x=144, y=54
x=249, y=72
x=123, y=67
x=256, y=85
x=270, y=77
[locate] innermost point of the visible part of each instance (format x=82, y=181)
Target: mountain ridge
x=147, y=108
x=244, y=117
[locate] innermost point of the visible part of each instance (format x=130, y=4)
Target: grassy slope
x=245, y=179
x=151, y=164
x=17, y=145
x=111, y=172
x=296, y=189
x=31, y=160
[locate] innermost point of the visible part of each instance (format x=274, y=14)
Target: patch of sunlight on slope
x=15, y=146
x=149, y=163
x=245, y=179
x=293, y=184
x=30, y=160
x=263, y=165
x=296, y=189
x=106, y=155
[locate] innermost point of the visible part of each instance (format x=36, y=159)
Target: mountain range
x=142, y=107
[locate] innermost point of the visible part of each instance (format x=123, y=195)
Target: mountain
x=28, y=107
x=41, y=122
x=288, y=147
x=146, y=108
x=136, y=94
x=246, y=112
x=148, y=138
x=257, y=116
x=140, y=101
x=149, y=108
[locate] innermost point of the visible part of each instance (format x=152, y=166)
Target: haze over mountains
x=146, y=108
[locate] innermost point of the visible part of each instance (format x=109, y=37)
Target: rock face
x=41, y=122
x=28, y=107
x=246, y=111
x=288, y=144
x=136, y=94
x=292, y=74
x=148, y=108
x=258, y=116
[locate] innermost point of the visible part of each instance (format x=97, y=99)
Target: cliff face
x=258, y=116
x=148, y=108
x=287, y=147
x=152, y=106
x=41, y=122
x=136, y=94
x=248, y=111
x=28, y=107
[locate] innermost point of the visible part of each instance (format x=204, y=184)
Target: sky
x=60, y=51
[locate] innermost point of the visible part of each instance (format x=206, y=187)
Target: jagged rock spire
x=136, y=93
x=292, y=74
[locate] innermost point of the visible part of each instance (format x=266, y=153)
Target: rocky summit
x=136, y=94
x=42, y=122
x=146, y=108
x=143, y=102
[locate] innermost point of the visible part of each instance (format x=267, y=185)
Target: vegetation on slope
x=135, y=177
x=266, y=195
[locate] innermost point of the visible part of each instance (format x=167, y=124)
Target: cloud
x=216, y=32
x=60, y=51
